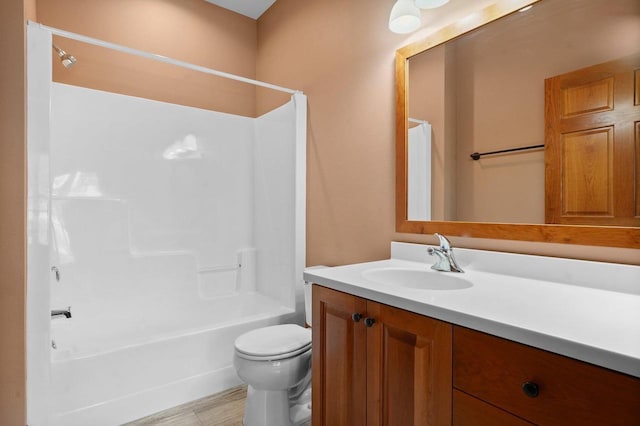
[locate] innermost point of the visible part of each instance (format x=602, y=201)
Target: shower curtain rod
x=156, y=57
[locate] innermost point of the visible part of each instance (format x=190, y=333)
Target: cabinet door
x=408, y=368
x=338, y=359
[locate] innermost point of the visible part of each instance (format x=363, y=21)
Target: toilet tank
x=307, y=296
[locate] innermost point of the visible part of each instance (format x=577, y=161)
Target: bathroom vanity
x=514, y=340
x=373, y=362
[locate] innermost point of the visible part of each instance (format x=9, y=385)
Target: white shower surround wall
x=151, y=206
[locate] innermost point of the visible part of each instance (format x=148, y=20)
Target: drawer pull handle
x=356, y=317
x=530, y=389
x=369, y=322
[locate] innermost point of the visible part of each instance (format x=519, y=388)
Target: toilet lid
x=276, y=340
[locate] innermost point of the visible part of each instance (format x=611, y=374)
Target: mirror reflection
x=485, y=92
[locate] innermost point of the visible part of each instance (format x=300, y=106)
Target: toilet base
x=272, y=408
x=300, y=411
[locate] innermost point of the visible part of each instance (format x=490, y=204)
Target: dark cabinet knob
x=530, y=389
x=369, y=322
x=356, y=317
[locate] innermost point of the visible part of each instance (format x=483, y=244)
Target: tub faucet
x=57, y=313
x=446, y=262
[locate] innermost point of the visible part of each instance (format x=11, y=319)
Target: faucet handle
x=446, y=262
x=445, y=244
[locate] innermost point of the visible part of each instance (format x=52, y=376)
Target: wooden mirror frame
x=611, y=236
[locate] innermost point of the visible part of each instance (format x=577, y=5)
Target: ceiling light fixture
x=405, y=17
x=405, y=14
x=430, y=4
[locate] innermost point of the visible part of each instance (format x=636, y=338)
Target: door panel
x=637, y=168
x=587, y=179
x=338, y=359
x=637, y=88
x=412, y=384
x=592, y=96
x=591, y=148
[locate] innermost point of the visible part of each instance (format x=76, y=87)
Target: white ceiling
x=432, y=19
x=251, y=8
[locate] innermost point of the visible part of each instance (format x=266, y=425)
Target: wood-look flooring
x=225, y=408
x=222, y=409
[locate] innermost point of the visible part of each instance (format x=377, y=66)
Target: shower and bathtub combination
x=158, y=233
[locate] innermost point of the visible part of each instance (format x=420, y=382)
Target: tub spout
x=57, y=313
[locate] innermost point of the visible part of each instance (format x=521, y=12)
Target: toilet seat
x=273, y=343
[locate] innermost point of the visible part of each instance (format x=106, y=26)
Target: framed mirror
x=484, y=112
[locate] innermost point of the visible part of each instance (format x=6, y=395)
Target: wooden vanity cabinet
x=470, y=411
x=493, y=376
x=378, y=365
x=338, y=359
x=374, y=364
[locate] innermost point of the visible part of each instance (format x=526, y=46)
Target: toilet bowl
x=275, y=362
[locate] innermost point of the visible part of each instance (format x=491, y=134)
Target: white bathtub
x=110, y=369
x=174, y=230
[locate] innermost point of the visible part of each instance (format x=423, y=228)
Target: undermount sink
x=422, y=279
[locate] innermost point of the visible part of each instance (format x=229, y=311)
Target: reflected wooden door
x=408, y=368
x=592, y=145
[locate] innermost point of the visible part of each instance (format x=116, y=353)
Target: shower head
x=66, y=59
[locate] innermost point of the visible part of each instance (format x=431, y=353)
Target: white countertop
x=585, y=320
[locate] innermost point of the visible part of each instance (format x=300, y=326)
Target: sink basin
x=422, y=279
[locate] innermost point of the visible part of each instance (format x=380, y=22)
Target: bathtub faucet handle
x=57, y=313
x=55, y=270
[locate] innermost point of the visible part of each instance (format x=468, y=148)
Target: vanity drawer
x=569, y=391
x=470, y=411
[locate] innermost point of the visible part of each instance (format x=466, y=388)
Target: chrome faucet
x=57, y=313
x=446, y=262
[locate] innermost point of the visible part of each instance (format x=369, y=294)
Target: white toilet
x=275, y=362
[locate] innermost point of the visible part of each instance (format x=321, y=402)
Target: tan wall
x=432, y=97
x=189, y=30
x=13, y=213
x=451, y=133
x=427, y=83
x=341, y=54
